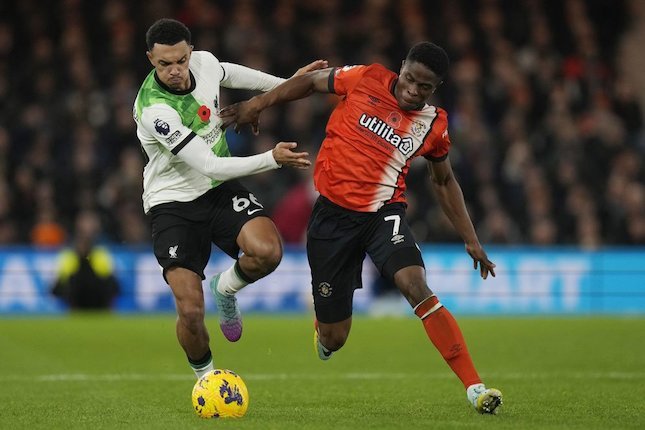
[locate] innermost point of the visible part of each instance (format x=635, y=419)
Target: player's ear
x=149, y=55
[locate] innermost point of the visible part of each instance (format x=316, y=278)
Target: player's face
x=415, y=85
x=171, y=64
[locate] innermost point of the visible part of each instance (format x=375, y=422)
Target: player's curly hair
x=167, y=31
x=430, y=55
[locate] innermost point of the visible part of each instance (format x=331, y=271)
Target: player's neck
x=190, y=85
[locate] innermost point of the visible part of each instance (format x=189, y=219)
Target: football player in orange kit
x=381, y=123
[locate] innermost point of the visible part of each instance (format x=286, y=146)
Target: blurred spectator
x=85, y=277
x=291, y=213
x=544, y=98
x=46, y=231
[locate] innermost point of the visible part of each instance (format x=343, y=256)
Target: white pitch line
x=118, y=377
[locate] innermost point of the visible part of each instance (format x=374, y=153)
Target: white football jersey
x=168, y=120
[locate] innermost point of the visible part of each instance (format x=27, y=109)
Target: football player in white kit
x=190, y=190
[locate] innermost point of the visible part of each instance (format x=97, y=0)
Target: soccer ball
x=220, y=393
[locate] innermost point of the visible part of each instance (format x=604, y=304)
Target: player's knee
x=268, y=255
x=191, y=316
x=411, y=281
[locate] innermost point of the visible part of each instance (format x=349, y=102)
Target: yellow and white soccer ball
x=220, y=393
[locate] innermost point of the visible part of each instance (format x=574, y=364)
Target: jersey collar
x=189, y=90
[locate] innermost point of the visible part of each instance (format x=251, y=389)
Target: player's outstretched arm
x=199, y=157
x=298, y=87
x=451, y=199
x=242, y=77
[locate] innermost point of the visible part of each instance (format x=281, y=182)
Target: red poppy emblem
x=394, y=119
x=204, y=113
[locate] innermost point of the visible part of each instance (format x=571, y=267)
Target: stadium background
x=546, y=100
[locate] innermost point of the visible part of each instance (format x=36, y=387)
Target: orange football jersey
x=370, y=141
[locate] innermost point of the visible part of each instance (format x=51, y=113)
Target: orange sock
x=443, y=331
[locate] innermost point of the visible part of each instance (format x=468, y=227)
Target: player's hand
x=314, y=65
x=284, y=156
x=480, y=258
x=240, y=114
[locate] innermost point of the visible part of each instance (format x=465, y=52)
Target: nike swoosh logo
x=251, y=212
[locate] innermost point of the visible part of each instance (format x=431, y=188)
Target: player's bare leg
x=330, y=337
x=191, y=330
x=262, y=251
x=260, y=242
x=444, y=332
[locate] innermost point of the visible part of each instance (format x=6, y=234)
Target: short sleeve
x=164, y=124
x=440, y=146
x=343, y=80
x=214, y=66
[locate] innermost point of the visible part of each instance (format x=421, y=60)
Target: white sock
x=474, y=391
x=201, y=371
x=230, y=282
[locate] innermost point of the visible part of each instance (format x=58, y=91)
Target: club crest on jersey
x=162, y=127
x=419, y=128
x=386, y=132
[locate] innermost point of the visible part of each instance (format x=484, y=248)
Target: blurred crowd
x=545, y=102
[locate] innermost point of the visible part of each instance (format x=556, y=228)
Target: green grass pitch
x=114, y=371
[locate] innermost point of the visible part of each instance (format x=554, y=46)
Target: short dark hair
x=430, y=55
x=167, y=31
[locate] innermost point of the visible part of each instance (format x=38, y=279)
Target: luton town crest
x=418, y=128
x=324, y=289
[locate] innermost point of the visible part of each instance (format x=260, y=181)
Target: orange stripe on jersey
x=370, y=142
